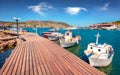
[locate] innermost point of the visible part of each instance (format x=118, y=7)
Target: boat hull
x=100, y=62
x=67, y=44
x=45, y=34
x=52, y=38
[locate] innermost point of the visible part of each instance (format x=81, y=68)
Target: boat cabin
x=100, y=48
x=68, y=35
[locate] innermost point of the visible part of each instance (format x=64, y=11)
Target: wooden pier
x=39, y=56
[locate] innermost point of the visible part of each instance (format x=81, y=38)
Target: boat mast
x=97, y=36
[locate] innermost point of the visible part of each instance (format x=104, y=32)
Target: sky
x=73, y=12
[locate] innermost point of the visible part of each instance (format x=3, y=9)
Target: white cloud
x=40, y=8
x=105, y=7
x=74, y=10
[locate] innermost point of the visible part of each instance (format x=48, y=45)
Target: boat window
x=99, y=50
x=91, y=47
x=67, y=33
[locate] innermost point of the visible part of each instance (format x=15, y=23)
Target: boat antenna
x=97, y=37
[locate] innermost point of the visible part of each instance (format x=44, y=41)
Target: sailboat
x=99, y=55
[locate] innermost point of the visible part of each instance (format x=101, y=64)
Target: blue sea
x=87, y=36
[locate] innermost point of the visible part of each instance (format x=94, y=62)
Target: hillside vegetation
x=33, y=23
x=116, y=23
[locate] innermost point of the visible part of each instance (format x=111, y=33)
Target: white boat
x=68, y=44
x=99, y=55
x=54, y=36
x=118, y=28
x=72, y=28
x=110, y=27
x=52, y=33
x=68, y=40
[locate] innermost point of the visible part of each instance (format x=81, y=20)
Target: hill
x=34, y=23
x=116, y=23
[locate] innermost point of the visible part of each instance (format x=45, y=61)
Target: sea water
x=111, y=37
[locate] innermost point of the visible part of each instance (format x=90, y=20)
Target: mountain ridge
x=37, y=23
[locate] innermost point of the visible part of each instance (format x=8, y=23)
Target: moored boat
x=52, y=37
x=68, y=40
x=72, y=28
x=99, y=55
x=51, y=33
x=45, y=34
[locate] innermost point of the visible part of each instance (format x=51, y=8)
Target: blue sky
x=73, y=12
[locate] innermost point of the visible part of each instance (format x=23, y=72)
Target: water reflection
x=106, y=69
x=74, y=49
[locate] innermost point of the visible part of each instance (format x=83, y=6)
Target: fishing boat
x=104, y=26
x=110, y=27
x=99, y=55
x=51, y=33
x=72, y=28
x=68, y=40
x=54, y=36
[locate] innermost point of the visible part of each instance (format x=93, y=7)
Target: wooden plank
x=8, y=60
x=10, y=65
x=20, y=62
x=44, y=59
x=27, y=60
x=58, y=65
x=36, y=59
x=24, y=62
x=16, y=63
x=31, y=62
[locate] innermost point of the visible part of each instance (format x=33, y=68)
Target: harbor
x=59, y=37
x=31, y=57
x=88, y=36
x=76, y=50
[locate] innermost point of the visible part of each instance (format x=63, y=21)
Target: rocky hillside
x=116, y=23
x=33, y=23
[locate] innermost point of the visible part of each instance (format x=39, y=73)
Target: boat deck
x=39, y=56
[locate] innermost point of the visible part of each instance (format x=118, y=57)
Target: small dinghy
x=68, y=40
x=99, y=55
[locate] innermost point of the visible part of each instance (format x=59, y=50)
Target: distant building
x=103, y=26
